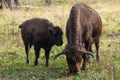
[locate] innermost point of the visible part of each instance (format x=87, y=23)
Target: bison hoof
x=97, y=59
x=83, y=68
x=46, y=65
x=35, y=64
x=27, y=62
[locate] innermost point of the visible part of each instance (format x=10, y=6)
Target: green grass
x=12, y=54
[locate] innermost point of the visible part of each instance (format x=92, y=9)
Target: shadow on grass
x=24, y=71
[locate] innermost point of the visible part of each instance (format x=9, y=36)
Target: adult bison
x=84, y=27
x=42, y=34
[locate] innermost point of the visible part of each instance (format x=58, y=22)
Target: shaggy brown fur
x=42, y=34
x=84, y=27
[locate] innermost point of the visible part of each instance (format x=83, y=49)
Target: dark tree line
x=13, y=3
x=48, y=2
x=9, y=3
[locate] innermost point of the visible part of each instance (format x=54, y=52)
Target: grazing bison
x=42, y=34
x=84, y=27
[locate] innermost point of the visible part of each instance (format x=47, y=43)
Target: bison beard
x=84, y=27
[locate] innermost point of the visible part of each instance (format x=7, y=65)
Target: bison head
x=74, y=56
x=55, y=34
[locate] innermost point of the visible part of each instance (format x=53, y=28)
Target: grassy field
x=12, y=54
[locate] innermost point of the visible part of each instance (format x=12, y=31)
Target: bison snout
x=74, y=71
x=59, y=42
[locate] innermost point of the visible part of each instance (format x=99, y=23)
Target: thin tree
x=48, y=2
x=8, y=4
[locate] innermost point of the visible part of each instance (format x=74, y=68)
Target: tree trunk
x=9, y=3
x=4, y=4
x=48, y=2
x=16, y=2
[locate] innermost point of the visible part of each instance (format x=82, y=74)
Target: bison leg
x=88, y=47
x=97, y=48
x=27, y=49
x=37, y=50
x=86, y=58
x=83, y=65
x=47, y=53
x=86, y=61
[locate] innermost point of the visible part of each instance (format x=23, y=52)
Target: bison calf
x=42, y=34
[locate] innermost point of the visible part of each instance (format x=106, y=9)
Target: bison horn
x=58, y=55
x=90, y=53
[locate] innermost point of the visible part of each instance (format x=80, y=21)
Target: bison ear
x=51, y=31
